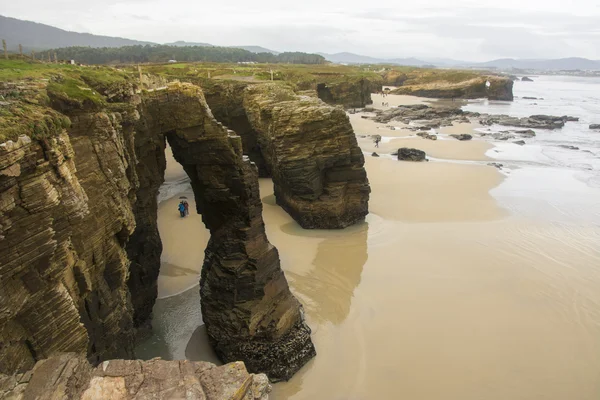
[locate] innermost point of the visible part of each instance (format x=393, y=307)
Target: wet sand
x=440, y=294
x=184, y=239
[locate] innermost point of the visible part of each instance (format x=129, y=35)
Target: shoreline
x=439, y=235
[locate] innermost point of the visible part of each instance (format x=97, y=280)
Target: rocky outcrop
x=462, y=136
x=526, y=79
x=408, y=154
x=247, y=306
x=350, y=93
x=65, y=215
x=425, y=135
x=500, y=88
x=226, y=102
x=70, y=376
x=456, y=87
x=532, y=122
x=310, y=147
x=422, y=116
x=595, y=126
x=80, y=248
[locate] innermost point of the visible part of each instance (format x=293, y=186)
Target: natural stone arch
x=247, y=306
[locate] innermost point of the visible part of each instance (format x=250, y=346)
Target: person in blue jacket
x=181, y=209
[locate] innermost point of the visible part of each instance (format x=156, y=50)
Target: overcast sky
x=474, y=30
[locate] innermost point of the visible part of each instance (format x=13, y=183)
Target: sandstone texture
x=70, y=376
x=65, y=215
x=492, y=87
x=80, y=249
x=354, y=93
x=248, y=309
x=311, y=150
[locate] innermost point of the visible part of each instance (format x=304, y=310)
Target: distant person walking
x=187, y=208
x=377, y=140
x=181, y=209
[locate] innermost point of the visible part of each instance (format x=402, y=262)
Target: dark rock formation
x=568, y=147
x=534, y=121
x=500, y=88
x=528, y=133
x=462, y=136
x=519, y=142
x=351, y=93
x=311, y=150
x=247, y=307
x=408, y=154
x=595, y=126
x=492, y=87
x=80, y=248
x=421, y=112
x=70, y=376
x=427, y=136
x=375, y=154
x=526, y=79
x=226, y=102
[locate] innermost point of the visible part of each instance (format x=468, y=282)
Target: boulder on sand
x=595, y=126
x=462, y=137
x=526, y=79
x=408, y=154
x=375, y=154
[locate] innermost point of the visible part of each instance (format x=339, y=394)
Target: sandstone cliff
x=445, y=84
x=80, y=249
x=311, y=150
x=355, y=93
x=305, y=145
x=69, y=376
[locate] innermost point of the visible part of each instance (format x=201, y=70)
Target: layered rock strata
x=310, y=147
x=65, y=216
x=348, y=93
x=70, y=376
x=492, y=87
x=248, y=309
x=80, y=249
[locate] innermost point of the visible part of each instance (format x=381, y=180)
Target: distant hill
x=351, y=58
x=256, y=49
x=252, y=49
x=34, y=36
x=572, y=63
x=181, y=43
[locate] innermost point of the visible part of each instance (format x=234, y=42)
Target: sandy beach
x=184, y=239
x=442, y=293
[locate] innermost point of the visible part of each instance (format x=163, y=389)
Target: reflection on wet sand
x=327, y=289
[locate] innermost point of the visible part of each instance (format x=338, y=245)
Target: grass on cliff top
x=33, y=95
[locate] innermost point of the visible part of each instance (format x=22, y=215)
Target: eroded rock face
x=65, y=216
x=248, y=309
x=492, y=87
x=80, y=248
x=500, y=88
x=310, y=147
x=70, y=376
x=350, y=94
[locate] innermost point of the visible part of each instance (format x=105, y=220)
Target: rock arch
x=247, y=306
